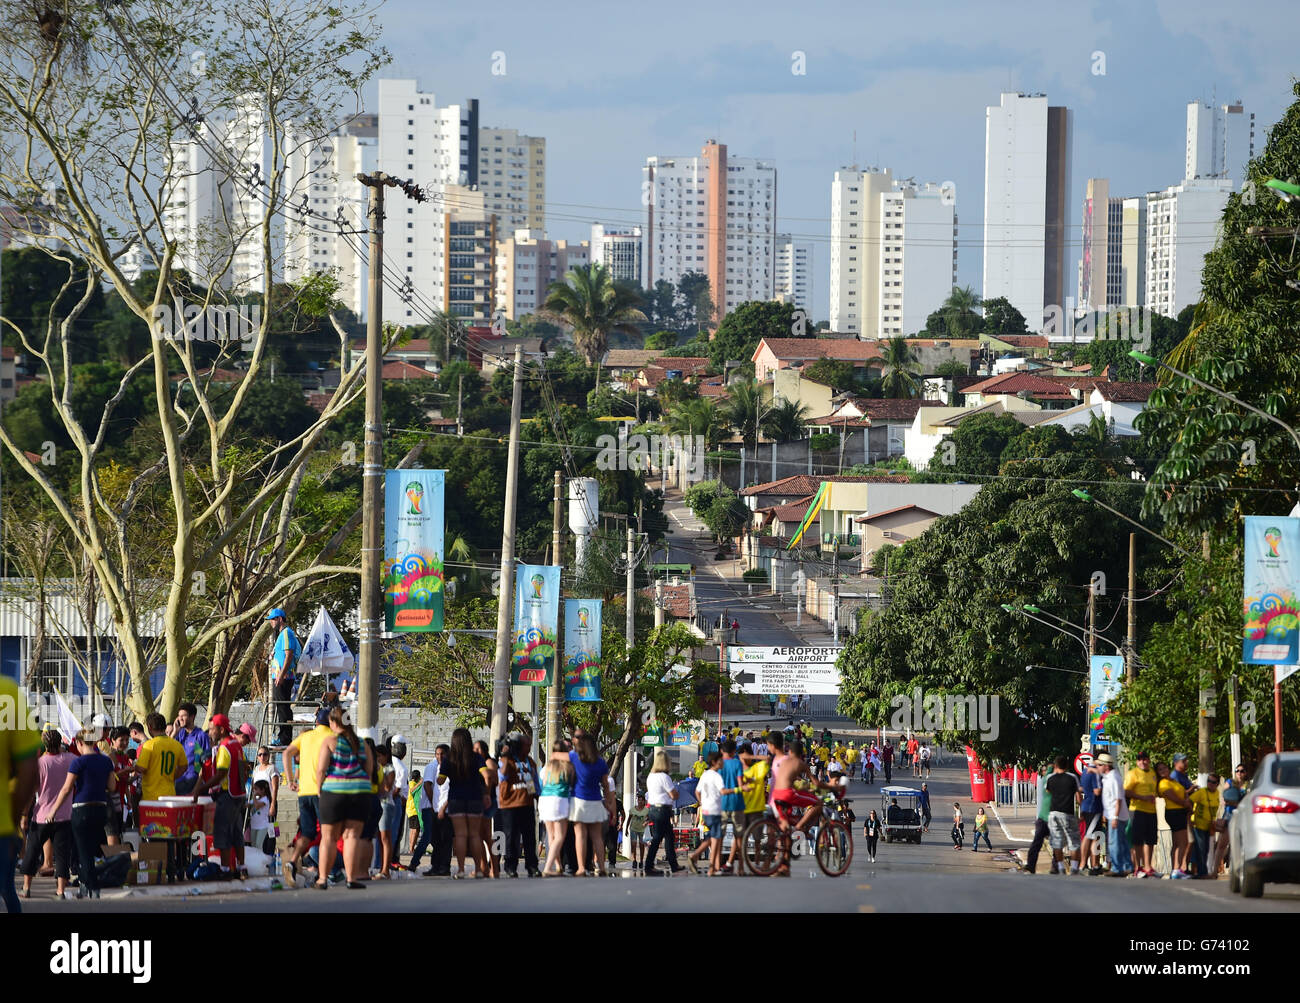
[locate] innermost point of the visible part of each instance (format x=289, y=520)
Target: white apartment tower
x=437, y=147
x=1220, y=141
x=527, y=264
x=325, y=222
x=714, y=214
x=794, y=263
x=618, y=248
x=1027, y=153
x=893, y=252
x=512, y=177
x=1182, y=225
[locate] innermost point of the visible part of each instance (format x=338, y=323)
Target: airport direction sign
x=765, y=669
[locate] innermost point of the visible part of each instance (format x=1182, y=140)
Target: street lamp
x=1087, y=652
x=1085, y=496
x=1053, y=668
x=1287, y=191
x=1030, y=607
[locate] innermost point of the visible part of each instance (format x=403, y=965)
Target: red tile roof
x=677, y=600
x=318, y=402
x=1121, y=392
x=793, y=512
x=802, y=349
x=837, y=420
x=799, y=485
x=405, y=371
x=655, y=374
x=1023, y=340
x=1014, y=383
x=890, y=409
x=892, y=511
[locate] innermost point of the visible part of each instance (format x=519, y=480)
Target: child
x=260, y=806
x=413, y=809
x=637, y=835
x=982, y=829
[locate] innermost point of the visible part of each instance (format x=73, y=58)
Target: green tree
x=1000, y=317
x=726, y=517
x=741, y=411
x=979, y=442
x=951, y=368
x=594, y=306
x=695, y=301
x=784, y=421
x=661, y=308
x=697, y=417
x=900, y=369
x=831, y=373
x=742, y=329
x=661, y=340
x=960, y=312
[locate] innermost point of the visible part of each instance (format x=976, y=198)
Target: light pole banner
x=1103, y=684
x=582, y=649
x=1270, y=613
x=537, y=616
x=413, y=570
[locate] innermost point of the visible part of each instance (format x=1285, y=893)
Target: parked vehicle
x=1265, y=828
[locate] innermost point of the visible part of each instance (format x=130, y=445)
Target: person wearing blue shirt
x=284, y=659
x=1093, y=828
x=1179, y=771
x=196, y=743
x=733, y=798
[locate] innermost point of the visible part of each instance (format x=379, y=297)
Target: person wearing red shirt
x=229, y=798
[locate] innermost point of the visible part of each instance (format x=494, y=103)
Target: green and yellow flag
x=822, y=496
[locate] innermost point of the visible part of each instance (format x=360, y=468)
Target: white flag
x=69, y=726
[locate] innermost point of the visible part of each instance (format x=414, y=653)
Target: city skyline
x=919, y=102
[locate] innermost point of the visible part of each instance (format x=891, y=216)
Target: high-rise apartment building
x=1182, y=225
x=1027, y=154
x=527, y=264
x=438, y=148
x=468, y=271
x=893, y=252
x=618, y=248
x=714, y=214
x=794, y=269
x=324, y=218
x=512, y=177
x=1220, y=141
x=1111, y=267
x=1133, y=252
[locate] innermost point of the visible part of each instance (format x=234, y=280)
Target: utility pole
x=1092, y=620
x=372, y=468
x=1204, y=721
x=1234, y=738
x=460, y=392
x=1131, y=666
x=555, y=695
x=501, y=670
x=835, y=591
x=659, y=602
x=629, y=760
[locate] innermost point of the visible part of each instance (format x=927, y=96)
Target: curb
x=1006, y=832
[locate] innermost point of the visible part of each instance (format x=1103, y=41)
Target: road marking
x=866, y=908
x=864, y=888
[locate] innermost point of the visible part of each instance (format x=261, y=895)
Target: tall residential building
x=196, y=213
x=1027, y=154
x=716, y=214
x=1133, y=252
x=322, y=174
x=1112, y=265
x=512, y=177
x=527, y=264
x=1182, y=225
x=437, y=147
x=618, y=248
x=794, y=263
x=467, y=272
x=1220, y=141
x=893, y=252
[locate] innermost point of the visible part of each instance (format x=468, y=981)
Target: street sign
x=808, y=670
x=1280, y=672
x=1082, y=761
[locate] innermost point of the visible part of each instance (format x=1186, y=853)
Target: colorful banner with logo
x=537, y=618
x=1270, y=614
x=582, y=649
x=1105, y=678
x=413, y=571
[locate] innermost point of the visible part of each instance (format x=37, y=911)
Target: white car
x=1265, y=829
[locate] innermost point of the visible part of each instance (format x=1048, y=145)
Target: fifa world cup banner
x=1107, y=671
x=537, y=618
x=582, y=649
x=413, y=573
x=1270, y=613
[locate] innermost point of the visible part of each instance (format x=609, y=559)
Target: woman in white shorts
x=553, y=809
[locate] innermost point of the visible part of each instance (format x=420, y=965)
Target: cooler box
x=174, y=817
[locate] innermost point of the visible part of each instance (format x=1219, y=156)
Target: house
x=416, y=352
x=784, y=353
x=402, y=371
x=931, y=353
x=791, y=489
x=1042, y=392
x=886, y=421
x=894, y=525
x=1032, y=345
x=621, y=363
x=792, y=385
x=670, y=369
x=498, y=353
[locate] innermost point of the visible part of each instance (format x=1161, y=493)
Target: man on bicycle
x=784, y=795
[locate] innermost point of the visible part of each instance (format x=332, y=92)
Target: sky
x=608, y=85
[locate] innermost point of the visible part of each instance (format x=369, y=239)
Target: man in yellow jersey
x=160, y=762
x=302, y=753
x=20, y=746
x=753, y=785
x=1140, y=789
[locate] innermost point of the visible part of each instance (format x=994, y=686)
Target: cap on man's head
x=221, y=721
x=1143, y=755
x=277, y=614
x=323, y=716
x=1180, y=757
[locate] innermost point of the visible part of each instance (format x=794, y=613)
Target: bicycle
x=766, y=847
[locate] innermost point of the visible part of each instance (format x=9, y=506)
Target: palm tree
x=900, y=365
x=741, y=411
x=959, y=310
x=784, y=422
x=697, y=417
x=594, y=305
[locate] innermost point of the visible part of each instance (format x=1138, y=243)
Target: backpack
x=112, y=872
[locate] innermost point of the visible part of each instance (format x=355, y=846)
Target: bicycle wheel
x=834, y=848
x=764, y=847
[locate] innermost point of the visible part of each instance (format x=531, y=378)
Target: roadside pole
x=629, y=759
x=555, y=695
x=505, y=596
x=1131, y=666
